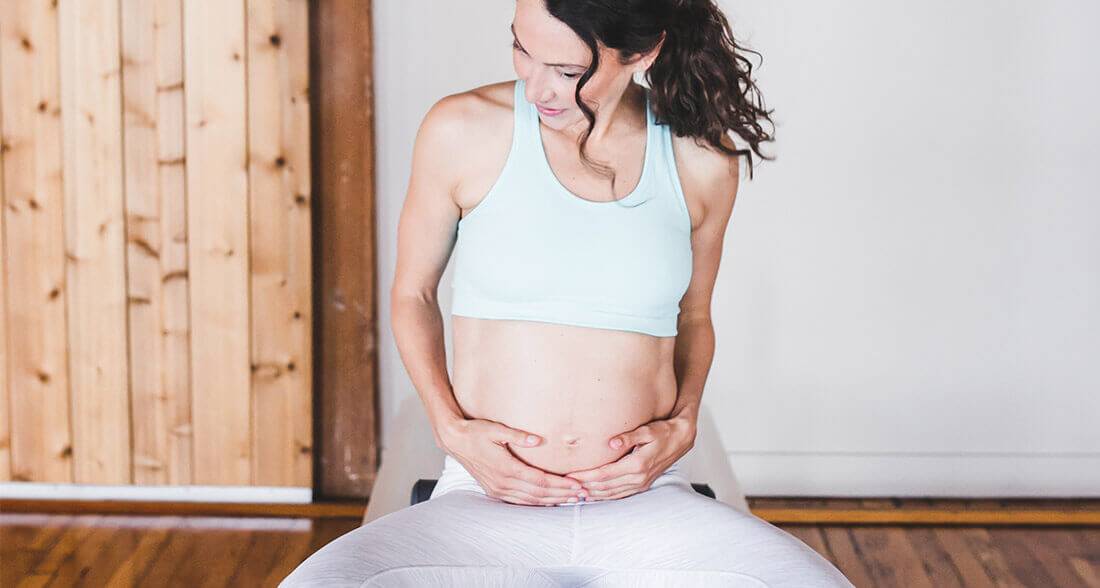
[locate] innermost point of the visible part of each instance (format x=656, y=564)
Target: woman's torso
x=576, y=386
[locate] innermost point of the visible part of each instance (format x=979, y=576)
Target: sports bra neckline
x=559, y=187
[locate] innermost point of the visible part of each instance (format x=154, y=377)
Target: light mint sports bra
x=532, y=250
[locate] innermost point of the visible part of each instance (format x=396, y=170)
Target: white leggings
x=668, y=535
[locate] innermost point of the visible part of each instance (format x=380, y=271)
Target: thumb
x=518, y=437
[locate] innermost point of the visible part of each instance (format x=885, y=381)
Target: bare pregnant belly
x=576, y=387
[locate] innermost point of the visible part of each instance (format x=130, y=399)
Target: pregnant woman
x=586, y=214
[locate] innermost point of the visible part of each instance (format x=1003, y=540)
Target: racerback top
x=532, y=250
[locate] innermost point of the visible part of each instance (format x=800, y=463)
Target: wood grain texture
x=846, y=555
x=35, y=280
x=5, y=394
x=220, y=551
x=281, y=268
x=890, y=557
x=217, y=219
x=91, y=102
x=347, y=355
x=156, y=315
x=156, y=254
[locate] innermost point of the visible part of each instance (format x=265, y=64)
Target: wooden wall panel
x=156, y=225
x=94, y=236
x=347, y=304
x=279, y=189
x=217, y=219
x=41, y=448
x=5, y=431
x=155, y=255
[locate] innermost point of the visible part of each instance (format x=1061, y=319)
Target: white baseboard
x=912, y=475
x=250, y=494
x=760, y=474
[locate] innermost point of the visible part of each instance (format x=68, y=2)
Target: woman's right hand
x=481, y=447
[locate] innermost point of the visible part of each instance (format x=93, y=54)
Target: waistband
x=455, y=477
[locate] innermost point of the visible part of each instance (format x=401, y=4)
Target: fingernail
x=531, y=439
x=616, y=443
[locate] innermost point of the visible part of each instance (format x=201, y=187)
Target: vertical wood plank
x=5, y=431
x=91, y=95
x=155, y=181
x=279, y=196
x=217, y=218
x=347, y=356
x=41, y=449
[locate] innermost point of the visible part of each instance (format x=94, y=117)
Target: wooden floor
x=125, y=550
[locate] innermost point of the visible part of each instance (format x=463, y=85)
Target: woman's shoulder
x=467, y=136
x=709, y=177
x=480, y=116
x=473, y=109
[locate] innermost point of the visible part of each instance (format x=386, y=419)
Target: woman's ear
x=645, y=60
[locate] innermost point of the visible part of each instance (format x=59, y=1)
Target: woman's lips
x=549, y=112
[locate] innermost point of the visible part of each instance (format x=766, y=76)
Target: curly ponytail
x=702, y=86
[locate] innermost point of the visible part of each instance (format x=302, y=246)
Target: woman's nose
x=536, y=92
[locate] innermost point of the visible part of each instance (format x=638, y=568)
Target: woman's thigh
x=461, y=535
x=675, y=528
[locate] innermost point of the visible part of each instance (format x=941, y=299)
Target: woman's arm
x=693, y=356
x=418, y=331
x=425, y=239
x=710, y=184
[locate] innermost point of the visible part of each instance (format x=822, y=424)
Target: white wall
x=907, y=303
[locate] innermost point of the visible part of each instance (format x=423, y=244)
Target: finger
x=517, y=437
x=643, y=434
x=528, y=478
x=540, y=490
x=520, y=497
x=513, y=499
x=632, y=486
x=510, y=496
x=536, y=482
x=628, y=492
x=611, y=491
x=598, y=477
x=558, y=494
x=605, y=488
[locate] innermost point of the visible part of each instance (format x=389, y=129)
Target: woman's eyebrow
x=513, y=27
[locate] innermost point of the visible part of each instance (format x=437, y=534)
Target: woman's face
x=549, y=57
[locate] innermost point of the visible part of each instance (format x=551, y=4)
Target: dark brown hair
x=701, y=85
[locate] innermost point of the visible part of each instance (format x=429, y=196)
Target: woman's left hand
x=658, y=444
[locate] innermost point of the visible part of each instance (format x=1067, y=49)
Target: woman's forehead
x=546, y=38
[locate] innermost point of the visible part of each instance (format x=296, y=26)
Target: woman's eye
x=570, y=76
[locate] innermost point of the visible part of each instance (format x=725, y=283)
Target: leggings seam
x=576, y=533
